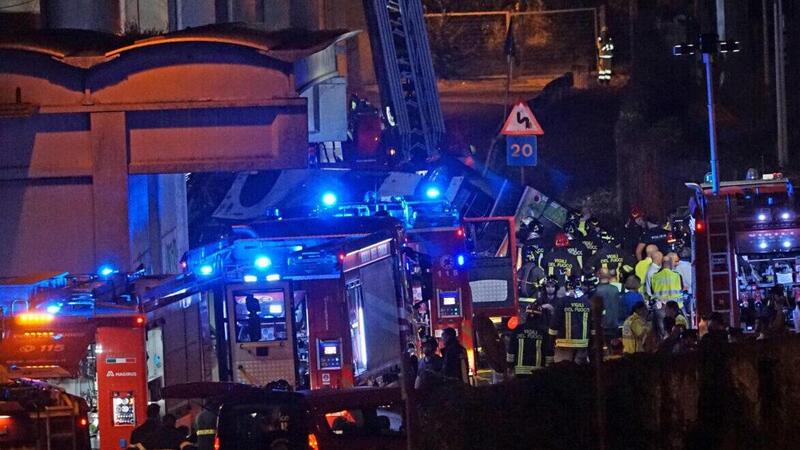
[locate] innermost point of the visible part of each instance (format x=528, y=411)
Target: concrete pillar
x=110, y=189
x=106, y=15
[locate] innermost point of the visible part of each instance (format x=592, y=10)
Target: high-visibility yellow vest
x=666, y=285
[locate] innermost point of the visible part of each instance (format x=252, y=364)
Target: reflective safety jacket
x=634, y=333
x=561, y=264
x=529, y=347
x=605, y=47
x=571, y=324
x=592, y=243
x=533, y=251
x=580, y=252
x=666, y=285
x=607, y=257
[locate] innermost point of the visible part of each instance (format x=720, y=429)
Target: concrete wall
x=731, y=397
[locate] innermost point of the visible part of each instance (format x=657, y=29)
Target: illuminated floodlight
x=206, y=270
x=787, y=244
x=762, y=217
x=329, y=199
x=263, y=262
x=53, y=309
x=250, y=278
x=273, y=277
x=275, y=309
x=785, y=216
x=433, y=192
x=762, y=245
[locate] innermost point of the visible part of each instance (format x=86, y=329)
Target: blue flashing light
x=206, y=270
x=762, y=245
x=53, y=309
x=250, y=278
x=106, y=271
x=273, y=277
x=297, y=248
x=461, y=260
x=329, y=199
x=787, y=244
x=433, y=192
x=263, y=262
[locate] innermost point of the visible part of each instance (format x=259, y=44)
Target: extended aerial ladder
x=404, y=69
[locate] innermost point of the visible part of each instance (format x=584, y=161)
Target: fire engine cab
x=746, y=241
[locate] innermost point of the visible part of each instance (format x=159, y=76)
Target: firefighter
x=605, y=53
x=666, y=284
x=571, y=326
x=528, y=348
x=610, y=257
x=531, y=274
x=576, y=247
x=560, y=263
x=206, y=425
x=591, y=236
x=533, y=245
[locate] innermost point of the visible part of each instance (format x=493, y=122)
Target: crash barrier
x=735, y=396
x=467, y=45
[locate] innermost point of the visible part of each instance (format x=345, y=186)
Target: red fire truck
x=746, y=241
x=316, y=302
x=85, y=335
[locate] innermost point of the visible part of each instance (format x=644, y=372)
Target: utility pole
x=709, y=46
x=780, y=86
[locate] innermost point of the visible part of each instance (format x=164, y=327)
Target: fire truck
x=329, y=301
x=84, y=335
x=35, y=415
x=746, y=241
x=312, y=302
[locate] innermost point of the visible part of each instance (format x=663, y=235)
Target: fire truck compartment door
x=54, y=352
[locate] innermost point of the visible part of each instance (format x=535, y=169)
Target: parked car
x=357, y=418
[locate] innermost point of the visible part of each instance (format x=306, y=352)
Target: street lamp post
x=709, y=45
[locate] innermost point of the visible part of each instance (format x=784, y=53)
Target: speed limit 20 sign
x=521, y=150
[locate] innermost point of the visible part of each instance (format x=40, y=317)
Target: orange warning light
x=34, y=318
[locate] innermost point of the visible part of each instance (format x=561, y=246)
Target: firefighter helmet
x=636, y=212
x=573, y=216
x=562, y=240
x=593, y=224
x=534, y=226
x=571, y=229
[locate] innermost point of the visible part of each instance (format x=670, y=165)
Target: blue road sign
x=521, y=150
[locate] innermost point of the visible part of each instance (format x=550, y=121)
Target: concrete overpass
x=97, y=130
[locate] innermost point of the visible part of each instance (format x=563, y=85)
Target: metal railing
x=467, y=45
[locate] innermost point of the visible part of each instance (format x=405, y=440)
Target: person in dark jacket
x=147, y=434
x=206, y=425
x=529, y=348
x=454, y=357
x=613, y=314
x=429, y=371
x=560, y=263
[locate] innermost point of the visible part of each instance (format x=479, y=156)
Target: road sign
x=521, y=122
x=521, y=150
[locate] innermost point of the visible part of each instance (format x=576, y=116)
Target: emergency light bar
x=34, y=318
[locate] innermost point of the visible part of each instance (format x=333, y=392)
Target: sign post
x=521, y=130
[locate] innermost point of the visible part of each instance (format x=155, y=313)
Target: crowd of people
x=644, y=277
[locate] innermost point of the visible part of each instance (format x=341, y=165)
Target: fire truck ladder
x=719, y=257
x=404, y=69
